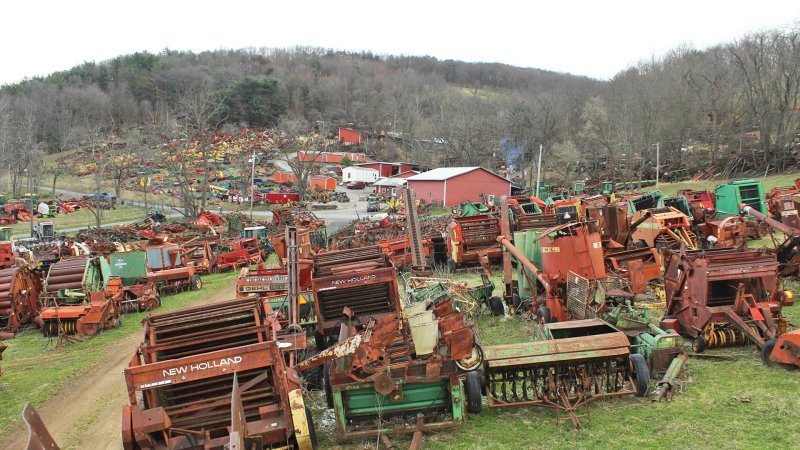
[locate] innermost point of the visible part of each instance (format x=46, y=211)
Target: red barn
x=349, y=136
x=387, y=169
x=454, y=185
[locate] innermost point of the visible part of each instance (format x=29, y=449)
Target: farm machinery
x=240, y=253
x=664, y=227
x=727, y=297
x=200, y=366
x=787, y=252
x=361, y=281
x=19, y=297
x=473, y=239
x=169, y=267
x=402, y=373
x=80, y=297
x=701, y=204
x=571, y=364
x=749, y=192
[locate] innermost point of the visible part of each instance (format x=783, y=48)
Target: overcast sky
x=594, y=38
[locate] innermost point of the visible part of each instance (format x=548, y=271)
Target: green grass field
x=85, y=218
x=33, y=370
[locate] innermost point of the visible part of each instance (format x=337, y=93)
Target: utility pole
x=539, y=170
x=252, y=181
x=658, y=161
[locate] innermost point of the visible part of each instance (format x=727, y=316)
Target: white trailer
x=354, y=173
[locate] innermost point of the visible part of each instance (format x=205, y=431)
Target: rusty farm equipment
x=170, y=269
x=728, y=297
x=402, y=375
x=19, y=298
x=180, y=381
x=572, y=364
x=473, y=240
x=362, y=280
x=138, y=292
x=80, y=297
x=787, y=252
x=238, y=254
x=701, y=204
x=662, y=228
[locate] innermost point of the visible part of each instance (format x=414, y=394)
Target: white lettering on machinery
x=175, y=371
x=354, y=280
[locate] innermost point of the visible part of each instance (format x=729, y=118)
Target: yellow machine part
x=302, y=431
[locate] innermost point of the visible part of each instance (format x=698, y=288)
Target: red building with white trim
x=453, y=185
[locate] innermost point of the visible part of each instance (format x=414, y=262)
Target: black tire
x=320, y=341
x=496, y=305
x=516, y=301
x=196, y=283
x=326, y=375
x=451, y=265
x=641, y=374
x=312, y=434
x=544, y=314
x=699, y=344
x=766, y=350
x=472, y=391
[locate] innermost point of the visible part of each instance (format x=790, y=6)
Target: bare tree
x=293, y=136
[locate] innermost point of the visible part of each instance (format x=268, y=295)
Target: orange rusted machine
x=728, y=297
x=787, y=252
x=242, y=253
x=180, y=382
x=701, y=203
x=19, y=297
x=170, y=268
x=360, y=279
x=402, y=375
x=662, y=228
x=473, y=239
x=101, y=312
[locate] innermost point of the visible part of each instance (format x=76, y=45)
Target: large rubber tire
x=766, y=350
x=496, y=305
x=544, y=314
x=699, y=344
x=196, y=283
x=516, y=301
x=472, y=392
x=451, y=265
x=311, y=432
x=641, y=374
x=326, y=376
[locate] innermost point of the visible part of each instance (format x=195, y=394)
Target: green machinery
x=648, y=200
x=607, y=188
x=71, y=280
x=139, y=293
x=731, y=195
x=659, y=347
x=680, y=203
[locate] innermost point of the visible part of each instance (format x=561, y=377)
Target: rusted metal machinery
x=662, y=228
x=783, y=205
x=566, y=249
x=574, y=363
x=80, y=297
x=724, y=233
x=360, y=279
x=180, y=380
x=241, y=253
x=169, y=267
x=473, y=239
x=19, y=298
x=267, y=282
x=612, y=222
x=639, y=266
x=418, y=256
x=787, y=252
x=199, y=252
x=402, y=376
x=728, y=297
x=138, y=292
x=701, y=204
x=2, y=349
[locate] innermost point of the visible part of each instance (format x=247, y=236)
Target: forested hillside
x=733, y=107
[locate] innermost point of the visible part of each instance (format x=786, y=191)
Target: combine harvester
x=181, y=378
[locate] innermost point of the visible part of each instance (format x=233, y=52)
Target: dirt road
x=86, y=414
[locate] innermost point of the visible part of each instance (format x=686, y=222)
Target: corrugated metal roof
x=444, y=173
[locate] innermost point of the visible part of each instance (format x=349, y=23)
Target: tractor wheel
x=451, y=265
x=766, y=350
x=699, y=344
x=516, y=301
x=543, y=314
x=496, y=305
x=196, y=283
x=326, y=376
x=472, y=391
x=641, y=374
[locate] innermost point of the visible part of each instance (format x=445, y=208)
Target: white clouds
x=583, y=37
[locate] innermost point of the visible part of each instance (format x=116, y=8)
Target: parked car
x=373, y=206
x=103, y=196
x=356, y=185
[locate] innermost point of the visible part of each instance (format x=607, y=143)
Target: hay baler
x=139, y=293
x=19, y=297
x=180, y=381
x=727, y=297
x=473, y=240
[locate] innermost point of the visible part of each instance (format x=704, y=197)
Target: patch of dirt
x=87, y=413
